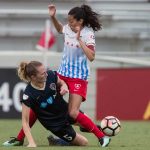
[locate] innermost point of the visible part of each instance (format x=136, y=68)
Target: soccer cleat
x=51, y=140
x=57, y=141
x=13, y=142
x=82, y=129
x=104, y=141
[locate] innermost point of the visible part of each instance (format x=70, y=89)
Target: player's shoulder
x=67, y=29
x=28, y=89
x=27, y=92
x=52, y=76
x=88, y=30
x=66, y=26
x=51, y=72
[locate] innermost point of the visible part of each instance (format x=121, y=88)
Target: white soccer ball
x=110, y=125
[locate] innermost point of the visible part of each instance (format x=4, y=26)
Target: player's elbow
x=59, y=29
x=92, y=58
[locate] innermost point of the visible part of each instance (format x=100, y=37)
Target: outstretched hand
x=52, y=10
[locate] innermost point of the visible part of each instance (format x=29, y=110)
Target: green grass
x=133, y=136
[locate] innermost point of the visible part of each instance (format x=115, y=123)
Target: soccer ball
x=110, y=125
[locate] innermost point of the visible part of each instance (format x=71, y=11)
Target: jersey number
x=69, y=138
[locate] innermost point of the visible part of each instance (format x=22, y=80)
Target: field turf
x=134, y=135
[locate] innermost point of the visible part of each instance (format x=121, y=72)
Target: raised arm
x=25, y=124
x=57, y=24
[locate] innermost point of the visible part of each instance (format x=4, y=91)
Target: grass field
x=133, y=136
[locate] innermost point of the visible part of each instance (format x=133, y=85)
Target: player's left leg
x=66, y=133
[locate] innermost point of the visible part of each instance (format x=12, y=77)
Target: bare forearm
x=28, y=134
x=61, y=83
x=88, y=52
x=57, y=24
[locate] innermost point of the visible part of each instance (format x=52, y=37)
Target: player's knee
x=85, y=142
x=80, y=141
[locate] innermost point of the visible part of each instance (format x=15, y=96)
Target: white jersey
x=74, y=61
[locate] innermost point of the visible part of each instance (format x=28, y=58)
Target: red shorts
x=76, y=86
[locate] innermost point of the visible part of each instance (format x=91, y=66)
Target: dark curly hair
x=90, y=18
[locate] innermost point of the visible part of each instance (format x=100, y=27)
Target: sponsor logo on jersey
x=50, y=100
x=25, y=97
x=92, y=37
x=52, y=86
x=43, y=105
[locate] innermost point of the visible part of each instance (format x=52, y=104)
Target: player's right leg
x=82, y=129
x=104, y=141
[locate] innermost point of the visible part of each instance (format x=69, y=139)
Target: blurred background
x=120, y=75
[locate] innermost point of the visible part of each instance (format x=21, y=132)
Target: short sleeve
x=90, y=38
x=25, y=100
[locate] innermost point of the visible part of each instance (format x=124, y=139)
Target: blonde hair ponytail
x=27, y=69
x=22, y=74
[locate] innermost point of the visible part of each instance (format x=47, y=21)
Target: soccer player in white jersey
x=79, y=47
